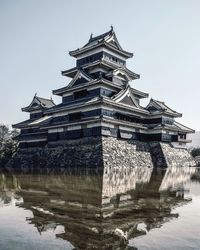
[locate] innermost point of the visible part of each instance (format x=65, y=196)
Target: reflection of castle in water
x=100, y=211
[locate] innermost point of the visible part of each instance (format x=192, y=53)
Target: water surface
x=118, y=209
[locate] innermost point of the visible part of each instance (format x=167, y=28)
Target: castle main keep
x=100, y=120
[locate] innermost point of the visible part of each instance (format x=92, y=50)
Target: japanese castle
x=99, y=101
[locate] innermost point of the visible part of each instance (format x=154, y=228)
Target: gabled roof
x=139, y=93
x=129, y=75
x=100, y=82
x=102, y=62
x=79, y=74
x=22, y=124
x=99, y=38
x=32, y=123
x=176, y=126
x=41, y=121
x=73, y=105
x=39, y=103
x=107, y=39
x=124, y=94
x=156, y=106
x=183, y=128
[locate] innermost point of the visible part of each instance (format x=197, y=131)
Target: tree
x=195, y=152
x=8, y=146
x=4, y=134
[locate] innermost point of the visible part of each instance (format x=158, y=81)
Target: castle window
x=182, y=136
x=114, y=59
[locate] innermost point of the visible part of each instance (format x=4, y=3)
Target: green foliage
x=8, y=146
x=195, y=152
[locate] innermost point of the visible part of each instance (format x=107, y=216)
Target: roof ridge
x=139, y=91
x=178, y=123
x=166, y=107
x=121, y=92
x=157, y=101
x=48, y=99
x=85, y=73
x=169, y=107
x=101, y=35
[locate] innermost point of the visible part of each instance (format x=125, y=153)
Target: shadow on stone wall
x=100, y=152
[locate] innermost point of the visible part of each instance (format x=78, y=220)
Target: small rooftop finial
x=111, y=27
x=91, y=36
x=35, y=94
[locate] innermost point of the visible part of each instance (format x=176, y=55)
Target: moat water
x=129, y=209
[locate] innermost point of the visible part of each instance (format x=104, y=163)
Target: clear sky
x=36, y=35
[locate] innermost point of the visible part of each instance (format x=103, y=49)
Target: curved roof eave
x=82, y=50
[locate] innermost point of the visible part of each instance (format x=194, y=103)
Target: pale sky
x=36, y=35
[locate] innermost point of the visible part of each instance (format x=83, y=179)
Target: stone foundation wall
x=165, y=155
x=177, y=157
x=101, y=152
x=123, y=153
x=85, y=152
